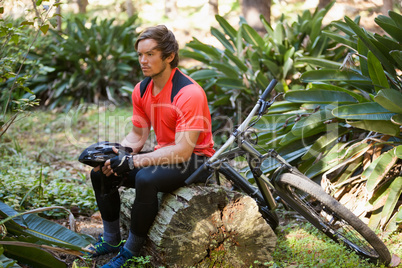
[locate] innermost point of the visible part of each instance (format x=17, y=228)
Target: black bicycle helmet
x=97, y=154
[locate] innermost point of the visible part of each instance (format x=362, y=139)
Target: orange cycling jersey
x=181, y=106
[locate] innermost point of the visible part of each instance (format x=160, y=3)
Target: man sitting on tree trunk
x=177, y=109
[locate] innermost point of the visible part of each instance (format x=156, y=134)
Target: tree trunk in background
x=387, y=5
x=213, y=7
x=252, y=9
x=171, y=9
x=205, y=225
x=82, y=6
x=130, y=8
x=58, y=11
x=323, y=3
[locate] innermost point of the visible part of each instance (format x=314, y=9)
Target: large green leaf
x=301, y=135
x=195, y=55
x=227, y=69
x=252, y=37
x=341, y=39
x=390, y=99
x=395, y=221
x=35, y=257
x=376, y=72
x=288, y=61
x=377, y=170
x=389, y=25
x=343, y=27
x=272, y=122
x=335, y=157
x=53, y=233
x=319, y=96
x=208, y=49
x=17, y=224
x=397, y=56
x=397, y=119
x=326, y=75
x=221, y=37
x=6, y=262
x=395, y=190
x=283, y=106
x=325, y=141
x=363, y=35
x=230, y=83
x=236, y=61
x=396, y=17
x=204, y=74
x=311, y=122
x=43, y=229
x=380, y=126
x=262, y=80
x=325, y=86
x=363, y=50
x=363, y=111
x=320, y=62
x=227, y=28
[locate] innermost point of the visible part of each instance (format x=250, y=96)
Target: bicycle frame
x=218, y=160
x=327, y=215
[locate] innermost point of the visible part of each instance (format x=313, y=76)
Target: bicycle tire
x=244, y=186
x=331, y=217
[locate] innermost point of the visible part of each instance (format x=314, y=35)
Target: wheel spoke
x=340, y=229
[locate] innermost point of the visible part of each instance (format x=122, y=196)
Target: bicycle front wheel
x=331, y=217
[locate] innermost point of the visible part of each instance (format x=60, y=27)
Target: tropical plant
x=87, y=63
x=235, y=74
x=28, y=239
x=355, y=120
x=17, y=38
x=340, y=123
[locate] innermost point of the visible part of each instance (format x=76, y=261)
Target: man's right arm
x=136, y=138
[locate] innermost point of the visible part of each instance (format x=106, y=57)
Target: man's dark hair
x=165, y=39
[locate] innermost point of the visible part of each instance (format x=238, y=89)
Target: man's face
x=150, y=58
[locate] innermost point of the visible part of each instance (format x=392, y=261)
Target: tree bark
x=205, y=227
x=58, y=11
x=171, y=9
x=323, y=3
x=252, y=9
x=213, y=7
x=387, y=6
x=82, y=6
x=130, y=8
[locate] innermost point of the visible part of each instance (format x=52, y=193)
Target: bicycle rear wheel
x=331, y=217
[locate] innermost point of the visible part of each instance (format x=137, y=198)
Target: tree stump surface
x=200, y=226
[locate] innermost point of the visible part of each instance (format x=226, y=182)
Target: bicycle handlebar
x=268, y=90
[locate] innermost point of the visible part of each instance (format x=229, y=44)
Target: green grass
x=39, y=167
x=301, y=245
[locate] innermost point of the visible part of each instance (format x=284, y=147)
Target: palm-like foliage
x=367, y=164
x=340, y=123
x=29, y=239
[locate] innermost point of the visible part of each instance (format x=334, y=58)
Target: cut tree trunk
x=205, y=226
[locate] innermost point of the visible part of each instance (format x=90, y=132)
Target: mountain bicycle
x=292, y=187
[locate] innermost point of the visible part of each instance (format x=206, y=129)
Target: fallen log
x=205, y=226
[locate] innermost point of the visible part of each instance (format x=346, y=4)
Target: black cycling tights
x=148, y=182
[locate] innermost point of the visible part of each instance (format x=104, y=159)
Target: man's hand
x=120, y=164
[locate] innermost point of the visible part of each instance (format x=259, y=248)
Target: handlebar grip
x=193, y=177
x=268, y=90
